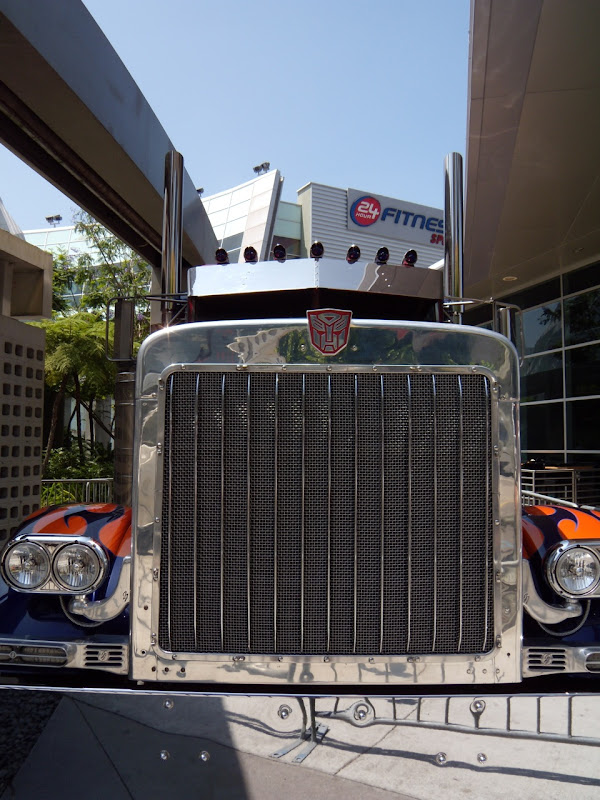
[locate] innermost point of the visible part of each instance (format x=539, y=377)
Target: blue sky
x=352, y=94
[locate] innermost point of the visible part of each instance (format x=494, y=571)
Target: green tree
x=76, y=365
x=108, y=269
x=83, y=284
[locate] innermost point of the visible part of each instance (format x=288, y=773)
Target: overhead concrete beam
x=70, y=109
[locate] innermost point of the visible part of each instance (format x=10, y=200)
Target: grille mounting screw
x=155, y=574
x=441, y=759
x=482, y=758
x=326, y=659
x=477, y=706
x=204, y=756
x=361, y=712
x=284, y=712
x=168, y=704
x=164, y=755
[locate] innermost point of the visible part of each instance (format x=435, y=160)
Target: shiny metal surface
x=52, y=544
x=423, y=350
x=308, y=273
x=552, y=659
x=109, y=607
x=109, y=655
x=593, y=545
x=537, y=608
x=172, y=224
x=453, y=230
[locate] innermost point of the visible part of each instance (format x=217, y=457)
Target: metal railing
x=76, y=490
x=579, y=485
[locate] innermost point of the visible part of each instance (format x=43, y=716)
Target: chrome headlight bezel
x=35, y=549
x=52, y=546
x=565, y=549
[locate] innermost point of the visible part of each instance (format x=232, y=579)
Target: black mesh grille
x=327, y=513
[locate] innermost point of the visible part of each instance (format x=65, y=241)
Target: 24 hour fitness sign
x=395, y=218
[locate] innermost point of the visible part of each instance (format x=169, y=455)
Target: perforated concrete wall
x=21, y=423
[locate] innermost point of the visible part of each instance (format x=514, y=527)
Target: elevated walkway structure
x=70, y=109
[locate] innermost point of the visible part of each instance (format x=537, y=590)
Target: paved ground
x=99, y=746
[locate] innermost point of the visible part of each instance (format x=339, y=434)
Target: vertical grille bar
x=222, y=559
x=275, y=513
x=355, y=513
x=329, y=456
x=248, y=518
x=327, y=513
x=487, y=520
x=195, y=510
x=435, y=515
x=383, y=521
x=410, y=513
x=169, y=525
x=303, y=531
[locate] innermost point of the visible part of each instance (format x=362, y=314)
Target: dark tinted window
x=582, y=279
x=543, y=293
x=542, y=378
x=582, y=318
x=542, y=427
x=582, y=371
x=582, y=424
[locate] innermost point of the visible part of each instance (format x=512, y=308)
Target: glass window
x=583, y=458
x=548, y=459
x=38, y=239
x=292, y=230
x=232, y=242
x=582, y=318
x=582, y=279
x=291, y=212
x=542, y=378
x=542, y=328
x=582, y=425
x=58, y=236
x=542, y=293
x=542, y=427
x=582, y=371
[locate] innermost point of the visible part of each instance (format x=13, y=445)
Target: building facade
x=252, y=214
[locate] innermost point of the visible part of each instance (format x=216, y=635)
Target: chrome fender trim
x=539, y=609
x=110, y=607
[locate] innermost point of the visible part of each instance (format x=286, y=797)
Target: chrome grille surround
x=342, y=589
x=319, y=513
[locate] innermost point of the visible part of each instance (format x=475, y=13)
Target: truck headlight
x=577, y=570
x=77, y=567
x=27, y=566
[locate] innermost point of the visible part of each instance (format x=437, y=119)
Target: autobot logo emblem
x=329, y=329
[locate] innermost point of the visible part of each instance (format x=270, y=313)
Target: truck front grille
x=326, y=513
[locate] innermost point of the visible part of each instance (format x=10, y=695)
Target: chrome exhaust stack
x=171, y=278
x=453, y=233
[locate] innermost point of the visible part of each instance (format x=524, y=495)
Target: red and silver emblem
x=329, y=329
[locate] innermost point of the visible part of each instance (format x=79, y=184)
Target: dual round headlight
x=575, y=571
x=74, y=567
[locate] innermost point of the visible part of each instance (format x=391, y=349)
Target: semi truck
x=325, y=497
